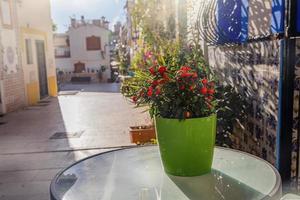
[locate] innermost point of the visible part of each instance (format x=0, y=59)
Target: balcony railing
x=62, y=54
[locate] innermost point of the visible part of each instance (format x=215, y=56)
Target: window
x=6, y=13
x=29, y=51
x=93, y=43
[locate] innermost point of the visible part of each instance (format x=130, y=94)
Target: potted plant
x=179, y=90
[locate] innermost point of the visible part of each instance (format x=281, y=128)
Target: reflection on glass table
x=137, y=174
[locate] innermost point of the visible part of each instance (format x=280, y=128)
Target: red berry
x=204, y=81
x=150, y=92
x=162, y=70
x=152, y=70
x=203, y=91
x=134, y=99
x=185, y=68
x=211, y=91
x=185, y=75
x=155, y=83
x=181, y=87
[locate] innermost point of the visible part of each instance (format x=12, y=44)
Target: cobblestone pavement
x=95, y=118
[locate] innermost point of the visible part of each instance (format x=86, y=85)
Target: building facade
x=27, y=69
x=84, y=50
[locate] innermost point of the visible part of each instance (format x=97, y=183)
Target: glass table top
x=137, y=174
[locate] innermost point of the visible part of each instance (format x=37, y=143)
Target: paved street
x=38, y=141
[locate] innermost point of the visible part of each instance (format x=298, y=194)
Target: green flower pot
x=187, y=146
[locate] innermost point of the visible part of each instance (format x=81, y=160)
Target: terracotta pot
x=142, y=135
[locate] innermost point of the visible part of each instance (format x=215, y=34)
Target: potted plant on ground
x=179, y=91
x=142, y=134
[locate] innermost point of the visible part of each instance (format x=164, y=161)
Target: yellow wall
x=52, y=86
x=33, y=93
x=33, y=90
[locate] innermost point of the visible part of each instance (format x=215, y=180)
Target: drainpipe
x=286, y=93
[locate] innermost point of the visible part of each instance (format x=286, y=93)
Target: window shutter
x=93, y=43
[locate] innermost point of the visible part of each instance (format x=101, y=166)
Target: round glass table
x=137, y=174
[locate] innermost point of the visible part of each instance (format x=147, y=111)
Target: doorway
x=41, y=61
x=79, y=67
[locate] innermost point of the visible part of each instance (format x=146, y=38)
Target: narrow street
x=37, y=142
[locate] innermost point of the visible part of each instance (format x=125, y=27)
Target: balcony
x=62, y=52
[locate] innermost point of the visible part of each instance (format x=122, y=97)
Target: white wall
x=35, y=23
x=60, y=40
x=64, y=64
x=35, y=13
x=92, y=59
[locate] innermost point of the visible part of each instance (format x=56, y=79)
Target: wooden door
x=79, y=67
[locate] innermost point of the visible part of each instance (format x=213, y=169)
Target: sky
x=62, y=10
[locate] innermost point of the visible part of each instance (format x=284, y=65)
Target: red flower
x=204, y=81
x=185, y=68
x=152, y=70
x=150, y=92
x=181, y=87
x=162, y=70
x=211, y=91
x=191, y=88
x=203, y=91
x=157, y=92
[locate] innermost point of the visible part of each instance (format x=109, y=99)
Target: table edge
x=275, y=189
